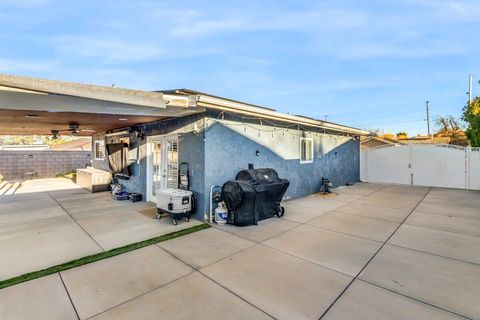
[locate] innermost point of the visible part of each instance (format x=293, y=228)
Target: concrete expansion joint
x=375, y=254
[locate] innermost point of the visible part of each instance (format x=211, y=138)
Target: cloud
x=25, y=3
x=11, y=65
x=108, y=48
x=248, y=20
x=208, y=27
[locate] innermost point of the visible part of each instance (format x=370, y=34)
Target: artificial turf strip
x=99, y=256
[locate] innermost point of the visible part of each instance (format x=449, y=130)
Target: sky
x=368, y=64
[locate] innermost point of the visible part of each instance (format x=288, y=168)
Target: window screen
x=306, y=150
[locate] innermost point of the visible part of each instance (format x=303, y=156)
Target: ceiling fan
x=73, y=128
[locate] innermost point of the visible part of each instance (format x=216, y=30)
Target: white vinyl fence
x=422, y=165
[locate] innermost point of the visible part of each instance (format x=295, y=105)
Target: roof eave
x=222, y=104
x=90, y=91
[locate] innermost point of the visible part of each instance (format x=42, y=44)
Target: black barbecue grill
x=255, y=195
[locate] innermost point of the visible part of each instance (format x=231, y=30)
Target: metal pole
x=470, y=80
x=428, y=119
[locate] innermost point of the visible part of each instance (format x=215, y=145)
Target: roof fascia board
x=13, y=100
x=127, y=96
x=223, y=105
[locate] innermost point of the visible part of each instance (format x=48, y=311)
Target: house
x=373, y=142
x=215, y=136
x=78, y=144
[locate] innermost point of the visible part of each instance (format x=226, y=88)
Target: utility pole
x=470, y=81
x=428, y=119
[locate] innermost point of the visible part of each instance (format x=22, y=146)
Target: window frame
x=95, y=149
x=312, y=150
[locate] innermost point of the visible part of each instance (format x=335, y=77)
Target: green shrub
x=72, y=175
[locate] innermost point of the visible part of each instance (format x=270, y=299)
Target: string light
x=282, y=127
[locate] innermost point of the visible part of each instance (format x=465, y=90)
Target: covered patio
x=45, y=222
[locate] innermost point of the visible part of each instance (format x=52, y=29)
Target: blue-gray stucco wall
x=191, y=149
x=228, y=152
x=220, y=153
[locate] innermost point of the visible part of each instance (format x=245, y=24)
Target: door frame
x=149, y=172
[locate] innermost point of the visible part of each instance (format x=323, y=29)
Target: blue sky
x=369, y=64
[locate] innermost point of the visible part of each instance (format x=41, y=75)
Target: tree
x=447, y=124
x=471, y=115
x=451, y=128
x=402, y=135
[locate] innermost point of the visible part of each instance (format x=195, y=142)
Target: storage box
x=94, y=180
x=135, y=197
x=174, y=200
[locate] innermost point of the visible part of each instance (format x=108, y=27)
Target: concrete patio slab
x=99, y=203
x=35, y=245
x=357, y=189
x=449, y=284
x=318, y=202
x=363, y=301
x=368, y=228
x=191, y=297
x=14, y=219
x=39, y=299
x=449, y=209
x=443, y=243
x=405, y=189
x=50, y=184
x=38, y=229
x=66, y=195
x=458, y=196
x=104, y=284
x=445, y=223
x=279, y=268
x=333, y=250
x=391, y=203
x=205, y=247
x=385, y=194
x=300, y=213
x=116, y=227
x=284, y=286
x=264, y=230
x=25, y=203
x=346, y=197
x=369, y=210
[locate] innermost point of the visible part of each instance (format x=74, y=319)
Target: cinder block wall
x=46, y=163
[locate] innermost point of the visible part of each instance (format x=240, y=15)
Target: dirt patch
x=326, y=195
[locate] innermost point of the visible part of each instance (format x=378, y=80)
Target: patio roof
x=38, y=106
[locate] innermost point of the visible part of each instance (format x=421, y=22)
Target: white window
x=99, y=150
x=306, y=150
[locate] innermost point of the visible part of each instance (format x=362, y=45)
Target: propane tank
x=221, y=213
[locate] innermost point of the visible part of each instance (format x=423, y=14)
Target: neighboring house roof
x=425, y=140
x=372, y=142
x=100, y=103
x=79, y=144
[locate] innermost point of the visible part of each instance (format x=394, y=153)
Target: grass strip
x=99, y=256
